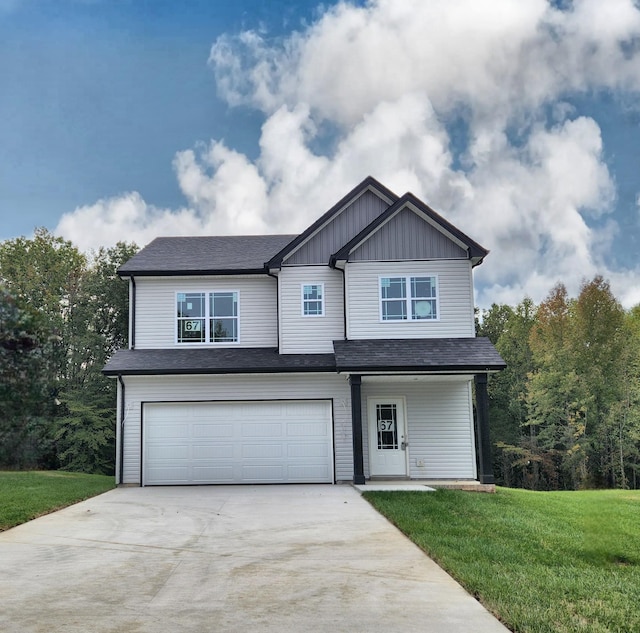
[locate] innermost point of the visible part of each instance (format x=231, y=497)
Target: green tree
x=509, y=329
x=81, y=308
x=85, y=431
x=24, y=396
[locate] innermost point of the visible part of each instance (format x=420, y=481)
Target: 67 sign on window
x=193, y=326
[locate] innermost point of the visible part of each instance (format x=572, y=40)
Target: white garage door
x=237, y=442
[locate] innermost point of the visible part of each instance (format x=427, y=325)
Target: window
x=409, y=298
x=207, y=317
x=313, y=300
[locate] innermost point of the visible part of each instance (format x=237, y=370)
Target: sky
x=517, y=120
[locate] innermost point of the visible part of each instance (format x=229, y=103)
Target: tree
x=24, y=396
x=509, y=329
x=81, y=310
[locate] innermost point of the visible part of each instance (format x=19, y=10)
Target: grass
x=542, y=562
x=30, y=494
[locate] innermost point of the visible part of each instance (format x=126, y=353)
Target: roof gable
x=345, y=219
x=407, y=236
x=395, y=234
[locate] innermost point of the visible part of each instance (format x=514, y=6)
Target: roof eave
x=192, y=272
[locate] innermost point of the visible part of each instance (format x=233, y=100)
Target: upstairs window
x=207, y=317
x=312, y=299
x=409, y=298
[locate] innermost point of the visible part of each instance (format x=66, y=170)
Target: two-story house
x=344, y=353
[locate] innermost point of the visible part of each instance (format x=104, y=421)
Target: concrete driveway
x=309, y=558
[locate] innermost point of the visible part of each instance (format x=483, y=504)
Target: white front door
x=387, y=437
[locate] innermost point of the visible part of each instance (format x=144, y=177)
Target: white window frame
x=302, y=299
x=207, y=316
x=408, y=298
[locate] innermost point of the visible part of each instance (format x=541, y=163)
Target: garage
x=275, y=441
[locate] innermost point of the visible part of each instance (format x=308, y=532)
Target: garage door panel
x=168, y=431
x=261, y=429
x=213, y=451
x=174, y=475
x=262, y=451
x=306, y=429
x=212, y=430
x=301, y=450
x=237, y=442
x=160, y=452
x=263, y=473
x=308, y=472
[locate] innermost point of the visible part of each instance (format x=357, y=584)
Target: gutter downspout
x=133, y=313
x=333, y=264
x=122, y=409
x=277, y=304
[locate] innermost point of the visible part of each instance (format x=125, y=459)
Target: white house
x=344, y=353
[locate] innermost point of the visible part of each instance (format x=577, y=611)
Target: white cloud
x=391, y=79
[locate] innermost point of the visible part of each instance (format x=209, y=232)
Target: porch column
x=356, y=423
x=485, y=470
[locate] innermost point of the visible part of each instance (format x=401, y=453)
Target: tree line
x=565, y=414
x=62, y=314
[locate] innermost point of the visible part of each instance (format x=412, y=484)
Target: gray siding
x=210, y=388
x=310, y=335
x=347, y=224
x=407, y=236
x=455, y=289
x=440, y=427
x=156, y=308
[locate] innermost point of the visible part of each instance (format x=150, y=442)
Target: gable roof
x=222, y=255
x=475, y=252
x=368, y=183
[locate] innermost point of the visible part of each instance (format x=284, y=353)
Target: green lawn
x=27, y=495
x=541, y=561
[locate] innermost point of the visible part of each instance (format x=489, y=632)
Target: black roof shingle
x=230, y=254
x=418, y=355
x=240, y=360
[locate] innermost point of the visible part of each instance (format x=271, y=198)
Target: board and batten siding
x=139, y=389
x=155, y=311
x=407, y=236
x=455, y=300
x=342, y=227
x=310, y=334
x=440, y=429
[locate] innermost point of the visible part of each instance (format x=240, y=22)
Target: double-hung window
x=207, y=317
x=409, y=298
x=312, y=299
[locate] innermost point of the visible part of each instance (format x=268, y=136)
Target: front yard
x=30, y=494
x=555, y=562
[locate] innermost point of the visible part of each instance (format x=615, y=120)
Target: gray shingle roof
x=421, y=355
x=205, y=255
x=243, y=360
x=404, y=355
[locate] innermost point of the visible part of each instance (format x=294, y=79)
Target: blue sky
x=518, y=120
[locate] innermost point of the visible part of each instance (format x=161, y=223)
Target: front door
x=387, y=437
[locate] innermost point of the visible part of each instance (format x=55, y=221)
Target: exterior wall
x=156, y=309
x=310, y=334
x=440, y=428
x=455, y=289
x=407, y=236
x=139, y=389
x=347, y=224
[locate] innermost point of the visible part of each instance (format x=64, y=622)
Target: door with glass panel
x=387, y=437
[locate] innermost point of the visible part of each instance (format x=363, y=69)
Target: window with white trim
x=207, y=317
x=409, y=298
x=312, y=299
